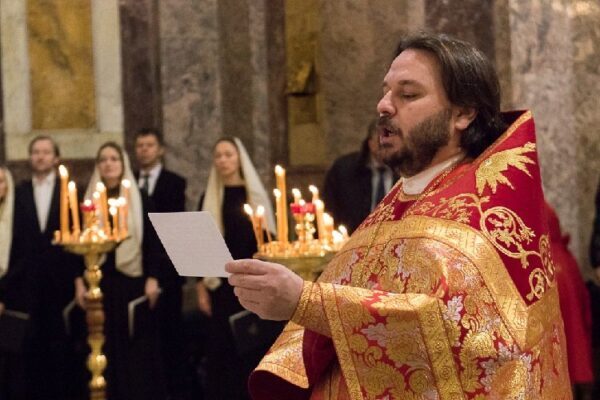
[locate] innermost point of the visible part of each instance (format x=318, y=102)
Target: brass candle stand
x=94, y=310
x=308, y=267
x=306, y=256
x=92, y=244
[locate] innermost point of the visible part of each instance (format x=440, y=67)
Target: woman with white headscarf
x=232, y=182
x=134, y=370
x=14, y=281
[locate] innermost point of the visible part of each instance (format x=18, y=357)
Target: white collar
x=417, y=183
x=47, y=180
x=152, y=172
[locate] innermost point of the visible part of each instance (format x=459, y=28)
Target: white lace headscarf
x=6, y=222
x=129, y=252
x=255, y=190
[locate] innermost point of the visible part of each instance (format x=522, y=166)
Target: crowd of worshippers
x=161, y=353
x=165, y=354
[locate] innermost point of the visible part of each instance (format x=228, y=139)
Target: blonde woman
x=134, y=368
x=233, y=181
x=14, y=283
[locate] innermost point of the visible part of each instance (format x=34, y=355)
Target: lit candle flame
x=279, y=170
x=343, y=230
x=100, y=187
x=248, y=209
x=260, y=211
x=113, y=210
x=315, y=192
x=277, y=193
x=337, y=237
x=62, y=170
x=71, y=186
x=126, y=183
x=297, y=195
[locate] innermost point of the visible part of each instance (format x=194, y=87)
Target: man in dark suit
x=357, y=182
x=51, y=361
x=166, y=192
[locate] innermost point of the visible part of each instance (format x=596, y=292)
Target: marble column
x=554, y=71
x=357, y=43
x=221, y=74
x=191, y=80
x=142, y=102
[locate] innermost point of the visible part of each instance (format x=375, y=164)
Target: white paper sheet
x=193, y=243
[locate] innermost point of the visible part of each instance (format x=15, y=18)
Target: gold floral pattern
x=490, y=171
x=424, y=305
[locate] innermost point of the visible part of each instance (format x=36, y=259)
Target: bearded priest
x=447, y=290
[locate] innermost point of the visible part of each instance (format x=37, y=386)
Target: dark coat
x=169, y=192
x=168, y=196
x=348, y=190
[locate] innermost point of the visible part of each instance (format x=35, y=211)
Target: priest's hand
x=270, y=290
x=151, y=291
x=204, y=303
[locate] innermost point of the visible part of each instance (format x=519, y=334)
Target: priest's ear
x=462, y=117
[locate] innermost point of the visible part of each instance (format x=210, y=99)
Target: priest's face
x=3, y=185
x=226, y=159
x=43, y=157
x=110, y=165
x=416, y=118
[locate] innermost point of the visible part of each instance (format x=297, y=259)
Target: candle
x=87, y=208
x=328, y=225
x=255, y=228
x=96, y=203
x=277, y=195
x=123, y=209
x=64, y=203
x=315, y=193
x=297, y=195
x=115, y=222
x=74, y=209
x=125, y=187
x=100, y=188
x=319, y=209
x=260, y=212
x=280, y=175
x=343, y=231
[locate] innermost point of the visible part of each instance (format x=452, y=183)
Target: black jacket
x=168, y=196
x=169, y=192
x=348, y=190
x=45, y=271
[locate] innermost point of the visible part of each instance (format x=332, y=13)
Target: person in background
x=233, y=181
x=594, y=290
x=575, y=308
x=15, y=295
x=134, y=369
x=166, y=192
x=53, y=370
x=361, y=176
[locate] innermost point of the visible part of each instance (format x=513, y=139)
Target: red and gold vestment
x=447, y=296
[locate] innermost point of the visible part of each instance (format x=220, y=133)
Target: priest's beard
x=419, y=145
